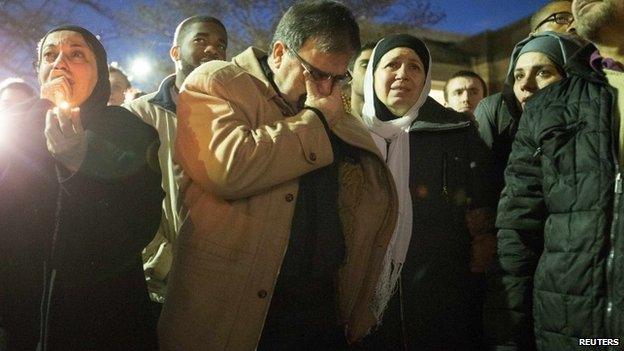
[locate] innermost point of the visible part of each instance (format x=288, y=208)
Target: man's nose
x=213, y=51
x=464, y=95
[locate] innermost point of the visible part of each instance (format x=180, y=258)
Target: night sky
x=474, y=16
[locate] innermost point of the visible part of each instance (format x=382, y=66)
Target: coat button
x=262, y=294
x=313, y=156
x=289, y=197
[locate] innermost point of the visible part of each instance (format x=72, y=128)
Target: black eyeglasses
x=559, y=18
x=320, y=76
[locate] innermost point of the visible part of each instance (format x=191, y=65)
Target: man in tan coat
x=290, y=207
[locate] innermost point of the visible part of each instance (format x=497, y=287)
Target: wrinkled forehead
x=65, y=37
x=402, y=53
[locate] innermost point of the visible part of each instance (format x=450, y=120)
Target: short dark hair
x=368, y=46
x=113, y=69
x=17, y=83
x=182, y=28
x=469, y=74
x=539, y=15
x=330, y=23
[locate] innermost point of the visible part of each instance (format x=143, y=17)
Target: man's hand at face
x=330, y=105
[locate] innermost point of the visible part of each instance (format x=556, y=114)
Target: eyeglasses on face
x=321, y=76
x=559, y=18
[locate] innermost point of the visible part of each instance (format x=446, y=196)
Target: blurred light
x=140, y=68
x=3, y=131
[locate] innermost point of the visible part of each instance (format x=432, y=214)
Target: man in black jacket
x=561, y=215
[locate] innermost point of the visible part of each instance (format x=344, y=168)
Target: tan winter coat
x=157, y=256
x=243, y=150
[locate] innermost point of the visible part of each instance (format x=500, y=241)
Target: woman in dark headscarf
x=444, y=236
x=81, y=198
x=536, y=62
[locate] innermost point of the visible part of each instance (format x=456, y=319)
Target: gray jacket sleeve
x=485, y=115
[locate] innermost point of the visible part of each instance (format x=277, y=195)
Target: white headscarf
x=392, y=139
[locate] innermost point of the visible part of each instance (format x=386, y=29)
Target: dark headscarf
x=97, y=101
x=558, y=47
x=117, y=138
x=391, y=42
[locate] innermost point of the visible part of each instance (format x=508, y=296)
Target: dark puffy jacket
x=560, y=218
x=498, y=115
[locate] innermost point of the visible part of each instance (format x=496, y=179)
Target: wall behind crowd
x=485, y=53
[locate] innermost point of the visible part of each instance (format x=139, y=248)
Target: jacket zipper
x=575, y=127
x=617, y=191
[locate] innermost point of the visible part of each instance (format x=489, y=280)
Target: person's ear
x=277, y=53
x=174, y=53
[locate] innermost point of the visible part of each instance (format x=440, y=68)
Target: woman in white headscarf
x=445, y=236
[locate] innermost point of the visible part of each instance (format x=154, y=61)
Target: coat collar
x=434, y=116
x=249, y=60
x=163, y=96
x=580, y=65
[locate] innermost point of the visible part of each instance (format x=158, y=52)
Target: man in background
x=358, y=65
x=197, y=39
x=464, y=90
x=555, y=16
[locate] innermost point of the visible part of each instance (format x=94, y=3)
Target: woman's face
x=66, y=53
x=533, y=71
x=399, y=79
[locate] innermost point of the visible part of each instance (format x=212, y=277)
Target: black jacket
x=450, y=167
x=497, y=118
x=560, y=217
x=70, y=246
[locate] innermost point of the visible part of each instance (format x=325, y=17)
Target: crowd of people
x=313, y=196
